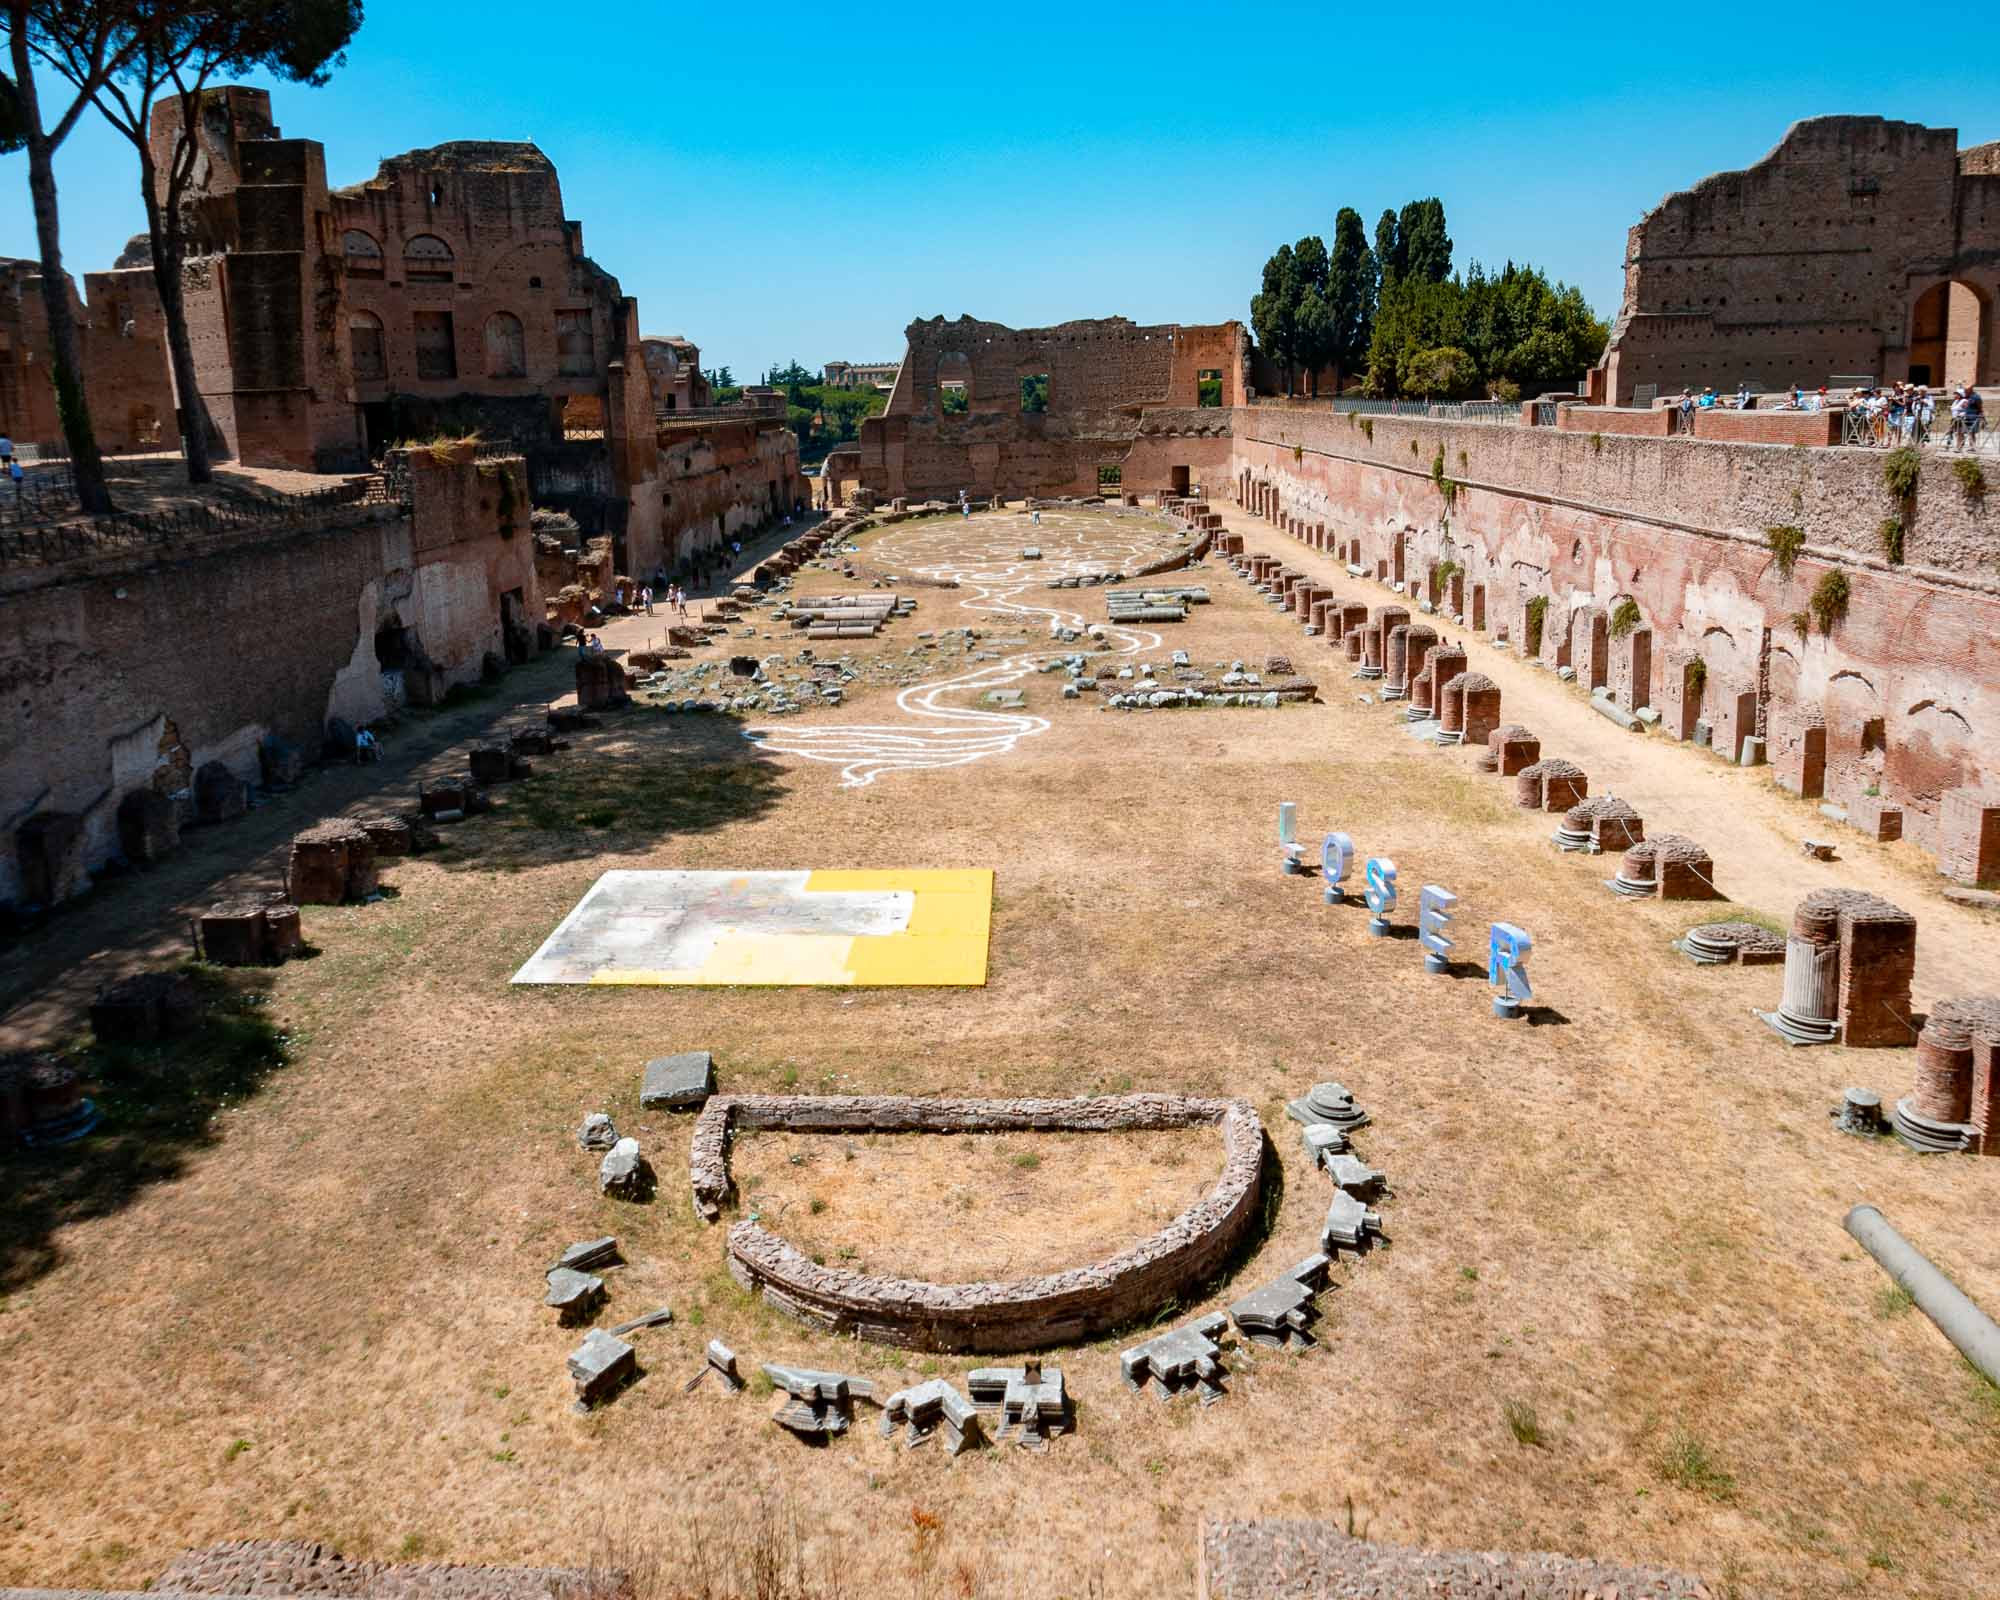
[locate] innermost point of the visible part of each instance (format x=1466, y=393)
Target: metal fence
x=1434, y=410
x=1881, y=432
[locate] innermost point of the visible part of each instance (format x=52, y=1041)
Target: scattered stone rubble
x=597, y=1132
x=1030, y=1399
x=588, y=1254
x=1185, y=1360
x=576, y=1296
x=1720, y=943
x=1331, y=1104
x=624, y=1173
x=1954, y=1102
x=817, y=1405
x=299, y=1567
x=249, y=933
x=930, y=1410
x=1282, y=1312
x=1287, y=1560
x=1669, y=866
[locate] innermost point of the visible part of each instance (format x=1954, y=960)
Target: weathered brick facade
x=1858, y=247
x=1124, y=410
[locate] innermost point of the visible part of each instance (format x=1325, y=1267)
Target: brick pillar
x=1968, y=835
x=1878, y=953
x=1799, y=762
x=1942, y=1088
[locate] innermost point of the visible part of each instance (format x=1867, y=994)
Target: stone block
x=624, y=1173
x=1875, y=817
x=49, y=854
x=331, y=863
x=149, y=827
x=600, y=1367
x=281, y=762
x=490, y=763
x=218, y=794
x=575, y=1295
x=145, y=1008
x=681, y=1082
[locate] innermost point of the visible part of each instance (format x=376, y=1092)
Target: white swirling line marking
x=866, y=751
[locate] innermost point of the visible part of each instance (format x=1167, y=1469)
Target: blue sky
x=779, y=181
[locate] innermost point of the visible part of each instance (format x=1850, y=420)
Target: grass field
x=294, y=1290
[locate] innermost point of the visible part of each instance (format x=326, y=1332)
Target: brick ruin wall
x=1119, y=394
x=1905, y=684
x=1822, y=259
x=1024, y=1314
x=130, y=670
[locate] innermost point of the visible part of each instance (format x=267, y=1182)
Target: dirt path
x=1750, y=827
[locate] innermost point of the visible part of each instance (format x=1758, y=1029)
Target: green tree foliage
x=790, y=376
x=720, y=378
x=1423, y=246
x=1388, y=250
x=1350, y=295
x=1274, y=312
x=954, y=402
x=1518, y=330
x=821, y=415
x=1035, y=392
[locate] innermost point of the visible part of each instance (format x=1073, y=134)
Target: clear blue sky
x=779, y=181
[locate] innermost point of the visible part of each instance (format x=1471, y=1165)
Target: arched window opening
x=427, y=259
x=361, y=253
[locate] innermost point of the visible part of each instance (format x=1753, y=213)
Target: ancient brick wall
x=1816, y=261
x=1119, y=396
x=718, y=479
x=111, y=674
x=1903, y=681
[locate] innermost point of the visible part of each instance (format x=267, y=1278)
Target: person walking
x=6, y=454
x=18, y=478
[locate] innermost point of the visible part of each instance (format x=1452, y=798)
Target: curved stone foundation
x=1058, y=1308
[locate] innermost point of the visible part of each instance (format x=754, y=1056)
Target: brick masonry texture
x=1059, y=1308
x=1316, y=1561
x=1119, y=395
x=1903, y=684
x=1858, y=247
x=128, y=671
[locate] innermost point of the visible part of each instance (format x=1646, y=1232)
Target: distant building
x=674, y=364
x=861, y=374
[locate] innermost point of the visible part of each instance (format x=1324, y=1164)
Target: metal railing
x=1508, y=411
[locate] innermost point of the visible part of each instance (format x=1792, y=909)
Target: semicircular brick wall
x=1058, y=1308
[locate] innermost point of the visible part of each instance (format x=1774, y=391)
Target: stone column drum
x=1811, y=998
x=1943, y=1088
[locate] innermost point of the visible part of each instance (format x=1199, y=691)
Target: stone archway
x=1951, y=335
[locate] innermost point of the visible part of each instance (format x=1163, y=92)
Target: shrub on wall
x=1447, y=489
x=1901, y=468
x=1368, y=429
x=1624, y=618
x=1971, y=477
x=1538, y=608
x=1786, y=541
x=1829, y=599
x=1890, y=531
x=1801, y=624
x=1697, y=679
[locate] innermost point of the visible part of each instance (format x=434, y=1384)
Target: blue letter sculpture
x=1506, y=968
x=1336, y=854
x=1381, y=877
x=1433, y=917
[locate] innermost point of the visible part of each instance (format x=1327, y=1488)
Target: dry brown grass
x=972, y=1206
x=1625, y=1219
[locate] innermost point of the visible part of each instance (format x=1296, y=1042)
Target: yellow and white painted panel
x=892, y=928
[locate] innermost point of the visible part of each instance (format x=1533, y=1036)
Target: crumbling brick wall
x=1812, y=262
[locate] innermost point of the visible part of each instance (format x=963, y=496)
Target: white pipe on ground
x=1975, y=1334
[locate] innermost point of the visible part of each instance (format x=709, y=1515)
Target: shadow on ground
x=158, y=1104
x=622, y=788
